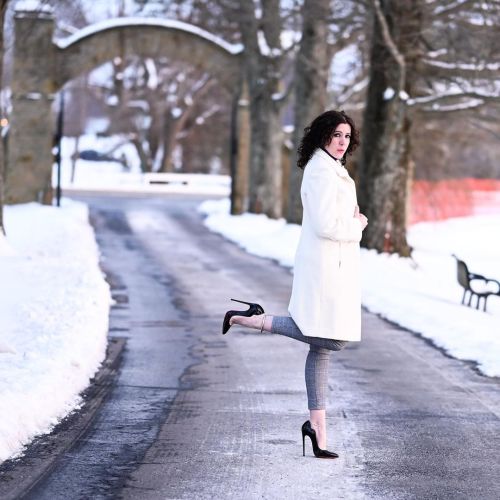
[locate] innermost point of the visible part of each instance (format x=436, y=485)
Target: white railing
x=186, y=179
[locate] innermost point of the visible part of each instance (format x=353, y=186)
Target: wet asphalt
x=193, y=414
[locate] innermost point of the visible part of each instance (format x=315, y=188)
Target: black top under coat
x=331, y=156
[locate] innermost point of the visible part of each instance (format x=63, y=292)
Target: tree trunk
x=240, y=149
x=384, y=168
x=169, y=138
x=311, y=78
x=3, y=8
x=74, y=158
x=263, y=72
x=144, y=157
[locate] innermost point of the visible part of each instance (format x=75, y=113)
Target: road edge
x=20, y=475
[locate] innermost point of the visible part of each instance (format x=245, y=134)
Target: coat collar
x=336, y=164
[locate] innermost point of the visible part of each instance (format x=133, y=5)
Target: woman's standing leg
x=316, y=375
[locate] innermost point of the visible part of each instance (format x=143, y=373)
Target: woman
x=325, y=305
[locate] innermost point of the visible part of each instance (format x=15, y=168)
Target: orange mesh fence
x=438, y=200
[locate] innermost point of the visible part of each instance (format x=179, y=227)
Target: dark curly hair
x=320, y=133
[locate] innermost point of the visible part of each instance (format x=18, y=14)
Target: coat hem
x=326, y=335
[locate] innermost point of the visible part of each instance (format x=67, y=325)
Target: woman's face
x=340, y=141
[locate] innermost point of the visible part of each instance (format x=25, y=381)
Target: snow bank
x=54, y=305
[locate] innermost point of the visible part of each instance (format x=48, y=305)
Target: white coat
x=326, y=296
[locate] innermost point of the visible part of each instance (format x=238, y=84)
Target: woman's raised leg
x=286, y=326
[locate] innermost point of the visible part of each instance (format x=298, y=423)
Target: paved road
x=197, y=415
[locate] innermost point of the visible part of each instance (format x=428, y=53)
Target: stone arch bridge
x=42, y=66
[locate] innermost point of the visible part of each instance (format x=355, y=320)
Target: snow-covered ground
x=421, y=294
x=54, y=306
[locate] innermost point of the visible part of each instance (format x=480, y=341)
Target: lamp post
x=59, y=135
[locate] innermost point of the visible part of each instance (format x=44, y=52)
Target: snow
x=441, y=9
x=289, y=39
x=34, y=96
x=459, y=90
x=153, y=73
x=141, y=104
x=5, y=249
x=33, y=6
x=389, y=93
x=54, y=308
x=147, y=21
x=176, y=112
x=437, y=53
x=112, y=100
x=470, y=104
x=102, y=76
x=96, y=125
x=446, y=95
x=345, y=68
x=264, y=48
x=488, y=66
x=257, y=10
x=420, y=294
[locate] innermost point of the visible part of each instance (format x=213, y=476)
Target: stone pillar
x=29, y=162
x=240, y=168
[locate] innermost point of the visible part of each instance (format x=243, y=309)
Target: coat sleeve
x=320, y=196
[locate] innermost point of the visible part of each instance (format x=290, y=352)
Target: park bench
x=475, y=284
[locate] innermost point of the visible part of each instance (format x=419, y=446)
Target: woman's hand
x=361, y=217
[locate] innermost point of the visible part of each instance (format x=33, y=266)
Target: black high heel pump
x=253, y=310
x=307, y=430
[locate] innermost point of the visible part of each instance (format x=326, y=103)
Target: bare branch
x=455, y=108
x=389, y=42
x=479, y=124
x=423, y=101
x=452, y=7
x=455, y=69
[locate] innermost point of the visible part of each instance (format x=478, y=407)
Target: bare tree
x=156, y=104
x=264, y=54
x=384, y=164
x=311, y=77
x=325, y=30
x=415, y=67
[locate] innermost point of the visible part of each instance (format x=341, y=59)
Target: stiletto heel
x=252, y=310
x=307, y=430
x=243, y=302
